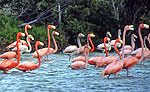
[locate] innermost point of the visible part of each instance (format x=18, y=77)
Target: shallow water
x=55, y=76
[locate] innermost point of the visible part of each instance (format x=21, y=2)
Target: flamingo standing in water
x=116, y=66
x=129, y=48
x=51, y=50
x=81, y=64
x=113, y=67
x=131, y=61
x=8, y=64
x=29, y=66
x=95, y=60
x=82, y=58
x=45, y=51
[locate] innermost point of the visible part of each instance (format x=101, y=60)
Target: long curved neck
x=116, y=49
x=132, y=42
x=93, y=48
x=26, y=32
x=39, y=58
x=142, y=45
x=124, y=33
x=18, y=51
x=30, y=48
x=79, y=42
x=55, y=44
x=145, y=42
x=48, y=38
x=105, y=48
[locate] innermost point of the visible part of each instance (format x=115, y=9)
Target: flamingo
x=44, y=51
x=129, y=62
x=108, y=46
x=129, y=48
x=108, y=59
x=12, y=45
x=29, y=66
x=24, y=48
x=146, y=52
x=113, y=67
x=82, y=58
x=81, y=64
x=95, y=60
x=8, y=64
x=112, y=42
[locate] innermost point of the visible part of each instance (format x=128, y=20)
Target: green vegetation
x=86, y=16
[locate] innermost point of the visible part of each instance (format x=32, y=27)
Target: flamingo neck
x=116, y=49
x=18, y=51
x=39, y=58
x=30, y=48
x=79, y=42
x=48, y=38
x=93, y=48
x=142, y=45
x=124, y=33
x=119, y=36
x=132, y=42
x=145, y=38
x=105, y=48
x=55, y=44
x=26, y=32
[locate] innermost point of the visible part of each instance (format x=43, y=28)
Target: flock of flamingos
x=128, y=57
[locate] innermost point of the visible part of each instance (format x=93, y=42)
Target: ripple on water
x=54, y=75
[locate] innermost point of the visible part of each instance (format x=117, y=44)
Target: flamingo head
x=129, y=27
x=54, y=32
x=30, y=36
x=91, y=35
x=108, y=34
x=28, y=26
x=142, y=25
x=81, y=35
x=118, y=40
x=20, y=34
x=39, y=43
x=119, y=31
x=107, y=39
x=51, y=27
x=134, y=36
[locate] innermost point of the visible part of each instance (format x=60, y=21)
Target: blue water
x=55, y=76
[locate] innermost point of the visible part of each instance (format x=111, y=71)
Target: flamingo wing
x=70, y=49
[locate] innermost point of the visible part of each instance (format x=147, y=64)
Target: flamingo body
x=70, y=49
x=9, y=55
x=129, y=62
x=78, y=65
x=79, y=58
x=95, y=60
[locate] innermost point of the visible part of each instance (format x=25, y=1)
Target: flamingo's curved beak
x=54, y=27
x=131, y=27
x=109, y=34
x=56, y=33
x=108, y=39
x=92, y=35
x=22, y=34
x=30, y=26
x=30, y=36
x=41, y=43
x=82, y=35
x=146, y=26
x=121, y=41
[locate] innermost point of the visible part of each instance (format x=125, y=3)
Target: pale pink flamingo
x=129, y=48
x=81, y=64
x=29, y=66
x=45, y=51
x=82, y=58
x=113, y=67
x=8, y=64
x=129, y=62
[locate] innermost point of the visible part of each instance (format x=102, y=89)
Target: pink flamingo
x=146, y=52
x=108, y=59
x=95, y=60
x=131, y=61
x=81, y=64
x=82, y=58
x=45, y=51
x=29, y=66
x=8, y=64
x=113, y=67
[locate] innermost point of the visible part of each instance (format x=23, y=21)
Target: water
x=55, y=76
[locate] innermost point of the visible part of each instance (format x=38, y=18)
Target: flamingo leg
x=116, y=75
x=127, y=72
x=108, y=76
x=6, y=71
